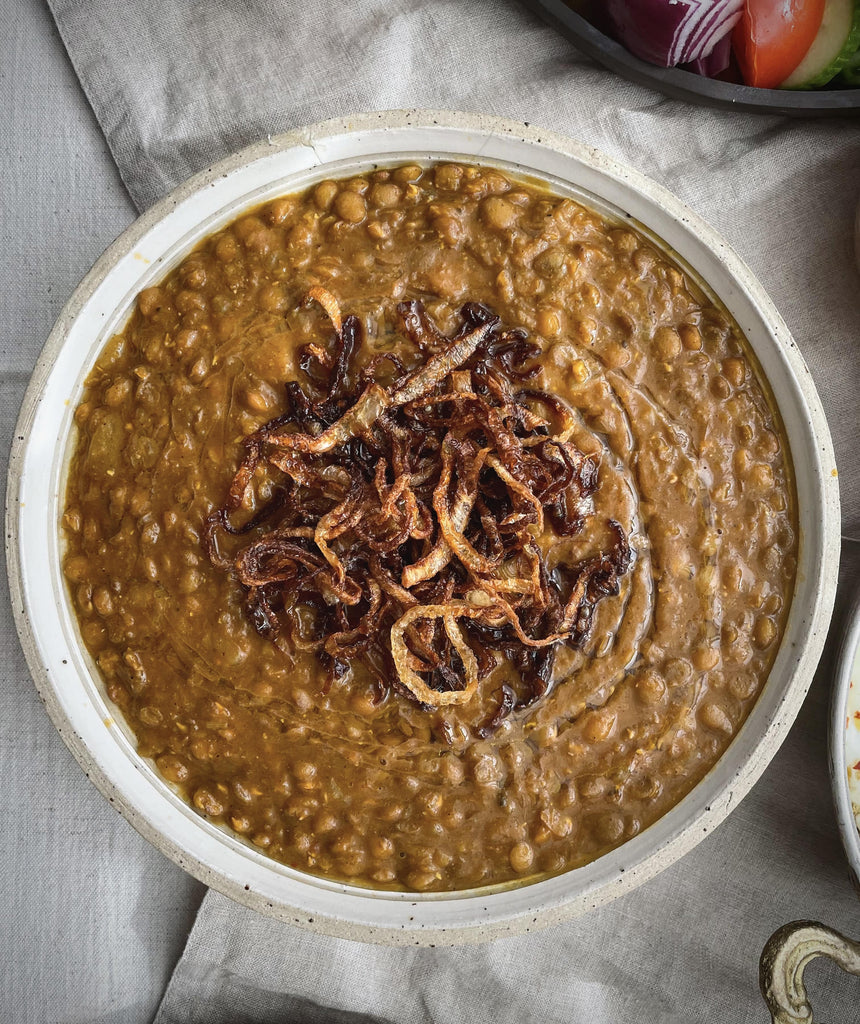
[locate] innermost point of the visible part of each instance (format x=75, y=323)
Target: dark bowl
x=683, y=85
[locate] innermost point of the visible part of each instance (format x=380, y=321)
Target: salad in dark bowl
x=769, y=56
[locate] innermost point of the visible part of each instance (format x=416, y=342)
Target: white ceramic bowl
x=71, y=688
x=845, y=741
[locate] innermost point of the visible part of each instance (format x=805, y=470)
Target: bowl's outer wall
x=70, y=687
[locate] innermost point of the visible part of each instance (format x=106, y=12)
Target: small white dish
x=845, y=741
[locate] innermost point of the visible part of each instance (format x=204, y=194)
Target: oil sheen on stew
x=325, y=764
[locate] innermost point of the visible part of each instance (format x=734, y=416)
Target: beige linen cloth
x=177, y=84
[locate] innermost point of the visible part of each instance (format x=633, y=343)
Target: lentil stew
x=327, y=772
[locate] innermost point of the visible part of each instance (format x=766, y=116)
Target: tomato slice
x=772, y=38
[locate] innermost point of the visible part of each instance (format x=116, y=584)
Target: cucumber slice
x=850, y=74
x=837, y=42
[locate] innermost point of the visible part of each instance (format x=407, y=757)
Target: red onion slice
x=672, y=32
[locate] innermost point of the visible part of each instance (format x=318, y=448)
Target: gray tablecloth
x=92, y=919
x=174, y=90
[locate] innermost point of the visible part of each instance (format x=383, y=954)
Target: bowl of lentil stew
x=508, y=162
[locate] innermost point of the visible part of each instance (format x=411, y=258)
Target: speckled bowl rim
x=67, y=684
x=847, y=670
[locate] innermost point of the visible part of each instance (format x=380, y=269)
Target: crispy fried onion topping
x=403, y=510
